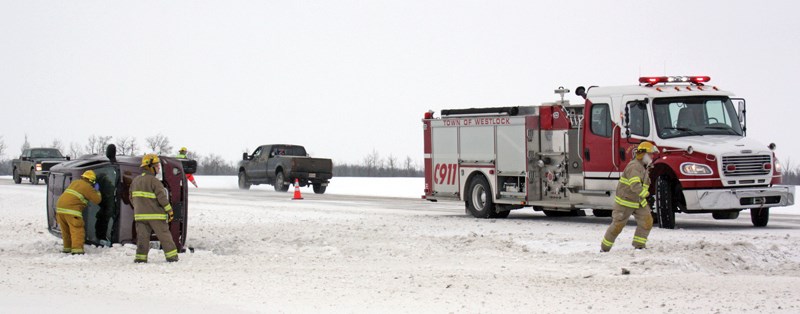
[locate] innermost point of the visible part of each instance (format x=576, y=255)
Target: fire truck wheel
x=319, y=188
x=243, y=184
x=665, y=203
x=601, y=212
x=280, y=182
x=17, y=178
x=479, y=200
x=759, y=216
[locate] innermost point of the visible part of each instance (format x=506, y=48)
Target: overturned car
x=112, y=220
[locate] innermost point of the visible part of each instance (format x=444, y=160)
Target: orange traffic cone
x=297, y=195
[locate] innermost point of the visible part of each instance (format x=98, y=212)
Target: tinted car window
x=45, y=153
x=601, y=120
x=639, y=121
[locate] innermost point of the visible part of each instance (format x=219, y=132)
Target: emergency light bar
x=652, y=80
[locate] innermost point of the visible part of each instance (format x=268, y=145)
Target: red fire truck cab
x=561, y=158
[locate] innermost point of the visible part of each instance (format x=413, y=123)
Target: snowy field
x=258, y=251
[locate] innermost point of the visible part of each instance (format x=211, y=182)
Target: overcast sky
x=344, y=77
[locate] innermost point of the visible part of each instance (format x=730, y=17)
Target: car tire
x=759, y=217
x=665, y=203
x=243, y=184
x=280, y=182
x=17, y=178
x=479, y=198
x=319, y=188
x=601, y=212
x=33, y=177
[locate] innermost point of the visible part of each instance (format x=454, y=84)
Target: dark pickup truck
x=280, y=165
x=35, y=164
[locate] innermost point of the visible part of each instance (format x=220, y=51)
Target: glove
x=97, y=186
x=171, y=214
x=651, y=200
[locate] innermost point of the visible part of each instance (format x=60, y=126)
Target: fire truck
x=563, y=158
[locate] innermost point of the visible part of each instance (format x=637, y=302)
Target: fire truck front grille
x=745, y=165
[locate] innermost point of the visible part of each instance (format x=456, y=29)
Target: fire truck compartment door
x=445, y=161
x=511, y=150
x=477, y=144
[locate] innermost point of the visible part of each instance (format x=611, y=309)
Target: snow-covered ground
x=258, y=251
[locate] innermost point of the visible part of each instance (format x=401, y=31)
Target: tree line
x=372, y=165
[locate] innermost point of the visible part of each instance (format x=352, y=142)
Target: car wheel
x=17, y=178
x=665, y=203
x=280, y=182
x=243, y=184
x=319, y=188
x=34, y=178
x=479, y=199
x=759, y=216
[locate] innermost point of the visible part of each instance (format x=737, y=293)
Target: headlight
x=38, y=167
x=695, y=169
x=778, y=166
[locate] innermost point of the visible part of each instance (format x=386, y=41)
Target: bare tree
x=27, y=144
x=158, y=144
x=91, y=145
x=57, y=144
x=391, y=164
x=75, y=150
x=127, y=145
x=97, y=144
x=214, y=165
x=409, y=166
x=371, y=162
x=2, y=147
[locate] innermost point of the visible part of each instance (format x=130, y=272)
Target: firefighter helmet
x=183, y=150
x=149, y=160
x=89, y=175
x=645, y=148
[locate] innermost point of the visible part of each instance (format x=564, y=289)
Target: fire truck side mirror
x=581, y=91
x=627, y=121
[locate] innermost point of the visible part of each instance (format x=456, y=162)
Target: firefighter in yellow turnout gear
x=151, y=211
x=69, y=211
x=631, y=199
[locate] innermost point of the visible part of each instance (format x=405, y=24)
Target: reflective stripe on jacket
x=634, y=186
x=149, y=198
x=76, y=197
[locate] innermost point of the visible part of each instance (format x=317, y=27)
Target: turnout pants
x=144, y=229
x=72, y=233
x=620, y=215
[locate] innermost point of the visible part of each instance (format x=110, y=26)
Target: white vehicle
x=561, y=158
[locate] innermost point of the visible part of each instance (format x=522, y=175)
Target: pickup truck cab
x=35, y=164
x=280, y=165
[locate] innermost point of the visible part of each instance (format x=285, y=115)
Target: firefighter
x=151, y=211
x=182, y=155
x=631, y=199
x=69, y=211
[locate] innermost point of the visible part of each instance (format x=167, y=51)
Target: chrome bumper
x=740, y=198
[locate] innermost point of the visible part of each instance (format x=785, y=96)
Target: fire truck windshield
x=688, y=116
